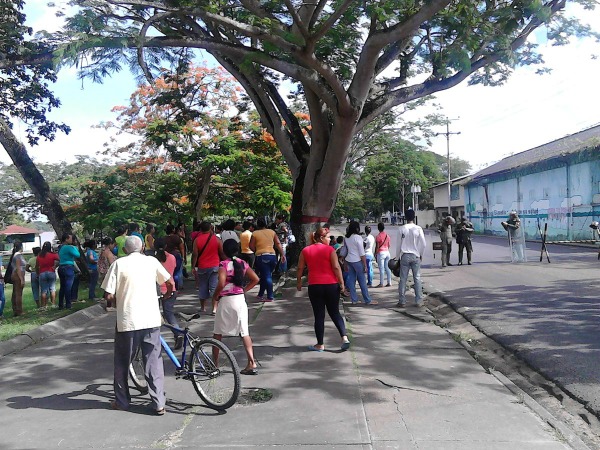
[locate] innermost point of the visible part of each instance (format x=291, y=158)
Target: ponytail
x=238, y=272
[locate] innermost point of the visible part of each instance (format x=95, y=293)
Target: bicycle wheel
x=215, y=374
x=136, y=372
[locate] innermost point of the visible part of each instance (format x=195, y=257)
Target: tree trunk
x=39, y=187
x=202, y=186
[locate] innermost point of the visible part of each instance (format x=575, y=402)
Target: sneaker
x=400, y=305
x=388, y=285
x=178, y=342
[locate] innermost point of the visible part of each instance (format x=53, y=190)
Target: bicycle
x=211, y=367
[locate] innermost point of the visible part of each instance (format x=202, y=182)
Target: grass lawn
x=32, y=317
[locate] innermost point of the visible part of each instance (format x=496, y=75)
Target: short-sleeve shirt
x=92, y=259
x=229, y=234
x=120, y=241
x=383, y=241
x=369, y=245
x=68, y=254
x=169, y=264
x=230, y=288
x=356, y=248
x=318, y=260
x=264, y=240
x=133, y=280
x=46, y=263
x=245, y=241
x=210, y=255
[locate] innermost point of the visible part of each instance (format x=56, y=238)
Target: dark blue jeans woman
x=66, y=274
x=265, y=265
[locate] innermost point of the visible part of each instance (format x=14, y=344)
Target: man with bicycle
x=131, y=282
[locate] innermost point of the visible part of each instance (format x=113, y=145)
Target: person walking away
x=120, y=241
x=133, y=229
x=67, y=255
x=229, y=231
x=168, y=303
x=18, y=278
x=32, y=268
x=282, y=229
x=76, y=275
x=464, y=230
x=445, y=231
x=149, y=240
x=236, y=278
x=131, y=283
x=325, y=284
x=263, y=243
x=174, y=245
x=382, y=253
x=357, y=264
x=411, y=248
x=206, y=255
x=47, y=262
x=107, y=257
x=247, y=254
x=91, y=257
x=369, y=242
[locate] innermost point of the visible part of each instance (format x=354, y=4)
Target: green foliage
x=25, y=92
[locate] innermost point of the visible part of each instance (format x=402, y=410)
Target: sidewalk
x=404, y=384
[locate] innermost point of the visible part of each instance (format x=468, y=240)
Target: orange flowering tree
x=199, y=121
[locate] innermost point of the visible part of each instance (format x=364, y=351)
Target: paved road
x=547, y=313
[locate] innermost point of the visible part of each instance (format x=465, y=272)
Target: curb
x=571, y=438
x=49, y=329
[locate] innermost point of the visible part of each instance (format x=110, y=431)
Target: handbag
x=9, y=271
x=343, y=250
x=394, y=266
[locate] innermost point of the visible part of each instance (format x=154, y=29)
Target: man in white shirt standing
x=410, y=251
x=131, y=281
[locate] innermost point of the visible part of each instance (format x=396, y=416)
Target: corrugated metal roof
x=563, y=146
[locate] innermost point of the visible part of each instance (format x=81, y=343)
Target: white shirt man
x=411, y=247
x=131, y=282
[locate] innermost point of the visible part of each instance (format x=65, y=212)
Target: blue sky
x=494, y=122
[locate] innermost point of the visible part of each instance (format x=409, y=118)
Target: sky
x=494, y=122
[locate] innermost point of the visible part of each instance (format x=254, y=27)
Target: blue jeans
x=356, y=272
x=383, y=258
x=412, y=262
x=47, y=282
x=2, y=299
x=208, y=279
x=35, y=287
x=66, y=274
x=168, y=307
x=93, y=283
x=265, y=264
x=369, y=259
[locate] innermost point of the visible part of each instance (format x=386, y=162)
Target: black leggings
x=326, y=296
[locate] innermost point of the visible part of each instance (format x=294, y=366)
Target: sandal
x=249, y=371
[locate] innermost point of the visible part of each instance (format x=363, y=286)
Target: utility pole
x=447, y=134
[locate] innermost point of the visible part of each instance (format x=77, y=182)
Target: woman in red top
x=47, y=262
x=325, y=282
x=382, y=254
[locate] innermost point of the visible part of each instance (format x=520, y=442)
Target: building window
x=532, y=194
x=546, y=193
x=454, y=192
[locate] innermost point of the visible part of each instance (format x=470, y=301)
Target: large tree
x=349, y=60
x=25, y=95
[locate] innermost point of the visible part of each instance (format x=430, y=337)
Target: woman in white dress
x=235, y=279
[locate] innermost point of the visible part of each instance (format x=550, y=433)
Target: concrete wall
x=567, y=198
